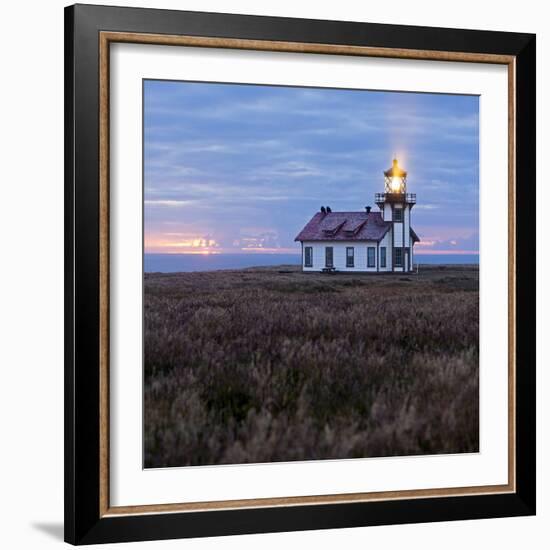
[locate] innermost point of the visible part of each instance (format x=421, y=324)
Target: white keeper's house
x=364, y=241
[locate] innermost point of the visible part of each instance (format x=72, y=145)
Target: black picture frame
x=83, y=521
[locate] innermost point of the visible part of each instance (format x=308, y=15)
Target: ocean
x=172, y=263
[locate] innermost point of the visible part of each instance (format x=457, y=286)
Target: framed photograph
x=300, y=274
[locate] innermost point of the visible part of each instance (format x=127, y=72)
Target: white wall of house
x=402, y=230
x=411, y=243
x=386, y=212
x=339, y=255
x=386, y=242
x=407, y=219
x=398, y=237
x=360, y=250
x=401, y=236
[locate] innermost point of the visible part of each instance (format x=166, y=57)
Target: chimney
x=367, y=209
x=323, y=210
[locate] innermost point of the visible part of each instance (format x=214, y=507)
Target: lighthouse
x=396, y=206
x=372, y=242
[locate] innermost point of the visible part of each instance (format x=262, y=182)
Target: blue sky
x=235, y=168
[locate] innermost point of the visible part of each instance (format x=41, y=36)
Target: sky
x=233, y=168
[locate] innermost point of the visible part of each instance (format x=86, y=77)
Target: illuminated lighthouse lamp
x=395, y=179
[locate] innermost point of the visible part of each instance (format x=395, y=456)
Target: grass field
x=265, y=365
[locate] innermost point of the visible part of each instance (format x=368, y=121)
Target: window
x=349, y=256
x=329, y=262
x=371, y=251
x=397, y=214
x=308, y=256
x=383, y=256
x=398, y=260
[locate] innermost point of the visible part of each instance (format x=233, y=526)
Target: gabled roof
x=347, y=226
x=344, y=226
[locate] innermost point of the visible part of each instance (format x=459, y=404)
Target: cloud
x=290, y=169
x=188, y=147
x=457, y=244
x=425, y=207
x=169, y=203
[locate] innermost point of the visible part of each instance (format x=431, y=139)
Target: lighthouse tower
x=396, y=205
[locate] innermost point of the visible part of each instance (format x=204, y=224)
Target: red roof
x=345, y=226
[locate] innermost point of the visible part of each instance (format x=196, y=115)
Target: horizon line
x=297, y=253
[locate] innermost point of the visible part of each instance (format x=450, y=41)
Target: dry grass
x=260, y=365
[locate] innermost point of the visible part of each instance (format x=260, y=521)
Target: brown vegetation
x=265, y=365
